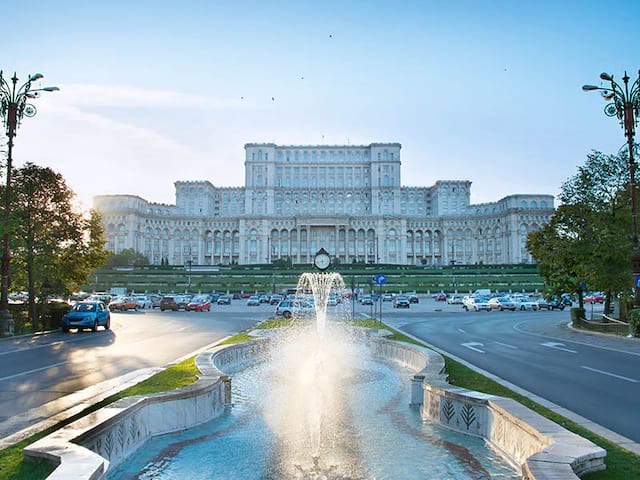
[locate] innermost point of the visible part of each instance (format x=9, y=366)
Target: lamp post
x=625, y=105
x=13, y=107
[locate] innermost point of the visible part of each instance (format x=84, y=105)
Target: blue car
x=87, y=315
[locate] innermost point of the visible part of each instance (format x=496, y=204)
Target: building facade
x=347, y=199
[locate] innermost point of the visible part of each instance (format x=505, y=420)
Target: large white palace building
x=347, y=199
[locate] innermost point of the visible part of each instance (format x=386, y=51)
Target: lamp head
x=36, y=76
x=51, y=89
x=588, y=88
x=606, y=76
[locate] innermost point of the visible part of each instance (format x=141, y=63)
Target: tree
x=127, y=257
x=54, y=246
x=587, y=240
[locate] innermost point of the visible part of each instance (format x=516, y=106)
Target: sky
x=152, y=91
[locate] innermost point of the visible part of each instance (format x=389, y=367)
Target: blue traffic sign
x=637, y=281
x=380, y=279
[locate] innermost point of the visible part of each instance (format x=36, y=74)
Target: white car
x=144, y=301
x=289, y=308
x=454, y=299
x=524, y=302
x=473, y=303
x=253, y=301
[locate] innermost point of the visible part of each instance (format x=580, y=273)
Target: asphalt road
x=592, y=375
x=35, y=370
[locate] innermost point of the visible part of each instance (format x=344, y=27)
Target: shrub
x=634, y=321
x=577, y=315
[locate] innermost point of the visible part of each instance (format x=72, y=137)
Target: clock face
x=322, y=261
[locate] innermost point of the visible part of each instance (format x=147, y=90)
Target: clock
x=322, y=260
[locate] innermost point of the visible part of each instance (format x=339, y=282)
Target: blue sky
x=153, y=91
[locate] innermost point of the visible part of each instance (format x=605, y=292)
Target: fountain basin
x=81, y=448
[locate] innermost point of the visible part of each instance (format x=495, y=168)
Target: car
x=476, y=303
x=455, y=299
x=366, y=300
x=333, y=300
x=595, y=297
x=502, y=303
x=223, y=300
x=169, y=303
x=264, y=298
x=440, y=297
x=552, y=303
x=155, y=300
x=123, y=303
x=199, y=304
x=253, y=301
x=289, y=308
x=387, y=297
x=144, y=301
x=87, y=314
x=523, y=302
x=401, y=302
x=275, y=299
x=413, y=298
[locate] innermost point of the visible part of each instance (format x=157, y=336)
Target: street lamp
x=13, y=107
x=625, y=104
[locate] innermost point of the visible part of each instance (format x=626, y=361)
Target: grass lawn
x=621, y=464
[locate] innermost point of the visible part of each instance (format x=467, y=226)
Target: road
x=36, y=370
x=594, y=376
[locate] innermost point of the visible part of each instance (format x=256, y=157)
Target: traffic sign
x=637, y=281
x=380, y=279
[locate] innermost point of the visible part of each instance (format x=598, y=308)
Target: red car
x=440, y=297
x=594, y=298
x=199, y=305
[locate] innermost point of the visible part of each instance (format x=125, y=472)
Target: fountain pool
x=281, y=428
x=318, y=405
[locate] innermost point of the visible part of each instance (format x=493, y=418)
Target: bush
x=577, y=315
x=634, y=321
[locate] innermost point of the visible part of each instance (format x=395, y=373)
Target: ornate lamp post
x=625, y=104
x=13, y=107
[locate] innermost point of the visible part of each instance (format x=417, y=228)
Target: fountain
x=319, y=407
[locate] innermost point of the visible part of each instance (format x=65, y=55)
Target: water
x=318, y=407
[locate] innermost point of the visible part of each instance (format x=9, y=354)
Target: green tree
x=54, y=246
x=587, y=240
x=127, y=257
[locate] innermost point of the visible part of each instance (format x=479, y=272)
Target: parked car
x=475, y=303
x=595, y=297
x=523, y=302
x=413, y=298
x=366, y=300
x=455, y=299
x=169, y=303
x=199, y=304
x=289, y=308
x=264, y=298
x=253, y=301
x=144, y=301
x=87, y=315
x=502, y=303
x=275, y=299
x=155, y=300
x=440, y=297
x=123, y=303
x=387, y=297
x=224, y=300
x=401, y=302
x=553, y=303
